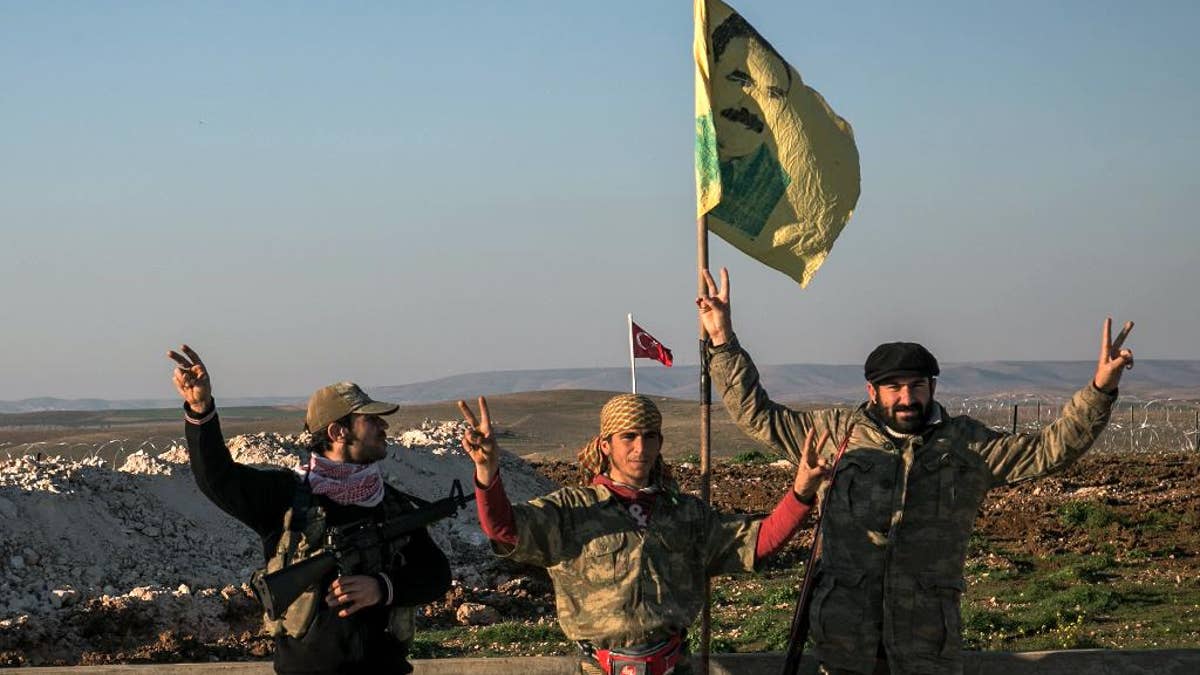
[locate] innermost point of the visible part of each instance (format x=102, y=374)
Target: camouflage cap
x=329, y=404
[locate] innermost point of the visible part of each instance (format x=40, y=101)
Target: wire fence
x=114, y=452
x=1136, y=425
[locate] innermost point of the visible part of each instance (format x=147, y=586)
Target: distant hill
x=42, y=404
x=794, y=382
x=809, y=382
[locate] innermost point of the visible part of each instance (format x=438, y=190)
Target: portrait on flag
x=777, y=169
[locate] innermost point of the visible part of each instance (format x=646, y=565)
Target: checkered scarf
x=343, y=482
x=622, y=412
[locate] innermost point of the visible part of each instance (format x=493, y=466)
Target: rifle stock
x=278, y=590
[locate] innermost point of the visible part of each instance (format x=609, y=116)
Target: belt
x=656, y=659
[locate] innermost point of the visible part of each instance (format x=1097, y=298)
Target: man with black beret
x=905, y=493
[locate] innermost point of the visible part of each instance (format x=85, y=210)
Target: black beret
x=899, y=359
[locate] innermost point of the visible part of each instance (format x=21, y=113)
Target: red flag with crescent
x=646, y=347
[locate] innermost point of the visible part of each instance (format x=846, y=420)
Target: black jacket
x=260, y=498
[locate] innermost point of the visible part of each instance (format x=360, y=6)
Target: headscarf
x=621, y=413
x=343, y=482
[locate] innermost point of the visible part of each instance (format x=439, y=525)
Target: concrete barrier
x=1090, y=661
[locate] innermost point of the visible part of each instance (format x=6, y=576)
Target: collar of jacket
x=937, y=417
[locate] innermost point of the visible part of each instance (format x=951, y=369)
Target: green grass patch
x=1160, y=522
x=770, y=593
x=1090, y=515
x=499, y=639
x=756, y=612
x=1078, y=602
x=750, y=457
x=978, y=544
x=764, y=631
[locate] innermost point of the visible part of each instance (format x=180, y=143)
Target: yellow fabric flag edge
x=708, y=192
x=819, y=158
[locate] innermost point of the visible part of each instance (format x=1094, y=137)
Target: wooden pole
x=1014, y=420
x=705, y=432
x=1196, y=438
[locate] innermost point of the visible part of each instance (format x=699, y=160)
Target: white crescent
x=644, y=345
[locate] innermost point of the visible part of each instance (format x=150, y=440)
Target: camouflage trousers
x=589, y=667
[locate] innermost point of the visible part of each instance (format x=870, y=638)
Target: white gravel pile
x=72, y=531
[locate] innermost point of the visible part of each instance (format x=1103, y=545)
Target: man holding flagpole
x=906, y=492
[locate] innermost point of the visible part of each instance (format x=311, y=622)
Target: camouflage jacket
x=900, y=513
x=616, y=585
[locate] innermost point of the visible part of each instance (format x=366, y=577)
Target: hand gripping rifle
x=350, y=549
x=799, y=631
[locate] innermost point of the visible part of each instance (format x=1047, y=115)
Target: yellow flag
x=776, y=169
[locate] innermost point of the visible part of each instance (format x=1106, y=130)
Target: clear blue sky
x=398, y=191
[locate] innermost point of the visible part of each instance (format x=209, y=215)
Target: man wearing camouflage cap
x=347, y=624
x=905, y=494
x=627, y=552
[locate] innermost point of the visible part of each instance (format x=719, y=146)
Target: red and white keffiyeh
x=343, y=482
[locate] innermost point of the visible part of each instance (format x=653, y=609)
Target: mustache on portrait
x=745, y=118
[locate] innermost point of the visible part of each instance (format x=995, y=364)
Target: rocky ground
x=133, y=565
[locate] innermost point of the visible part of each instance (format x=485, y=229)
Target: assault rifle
x=353, y=548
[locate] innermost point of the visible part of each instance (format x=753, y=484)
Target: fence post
x=1039, y=413
x=1131, y=425
x=1196, y=437
x=1014, y=421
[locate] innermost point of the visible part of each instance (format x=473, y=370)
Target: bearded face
x=902, y=403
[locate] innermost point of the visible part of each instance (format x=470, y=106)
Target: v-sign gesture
x=713, y=304
x=813, y=468
x=191, y=379
x=480, y=442
x=1113, y=358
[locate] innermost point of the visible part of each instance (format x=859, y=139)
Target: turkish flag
x=646, y=347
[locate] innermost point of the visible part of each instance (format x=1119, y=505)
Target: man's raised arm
x=1018, y=457
x=738, y=383
x=256, y=497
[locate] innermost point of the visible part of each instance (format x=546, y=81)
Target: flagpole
x=632, y=368
x=700, y=16
x=705, y=432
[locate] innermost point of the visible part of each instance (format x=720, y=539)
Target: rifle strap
x=297, y=520
x=841, y=450
x=302, y=500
